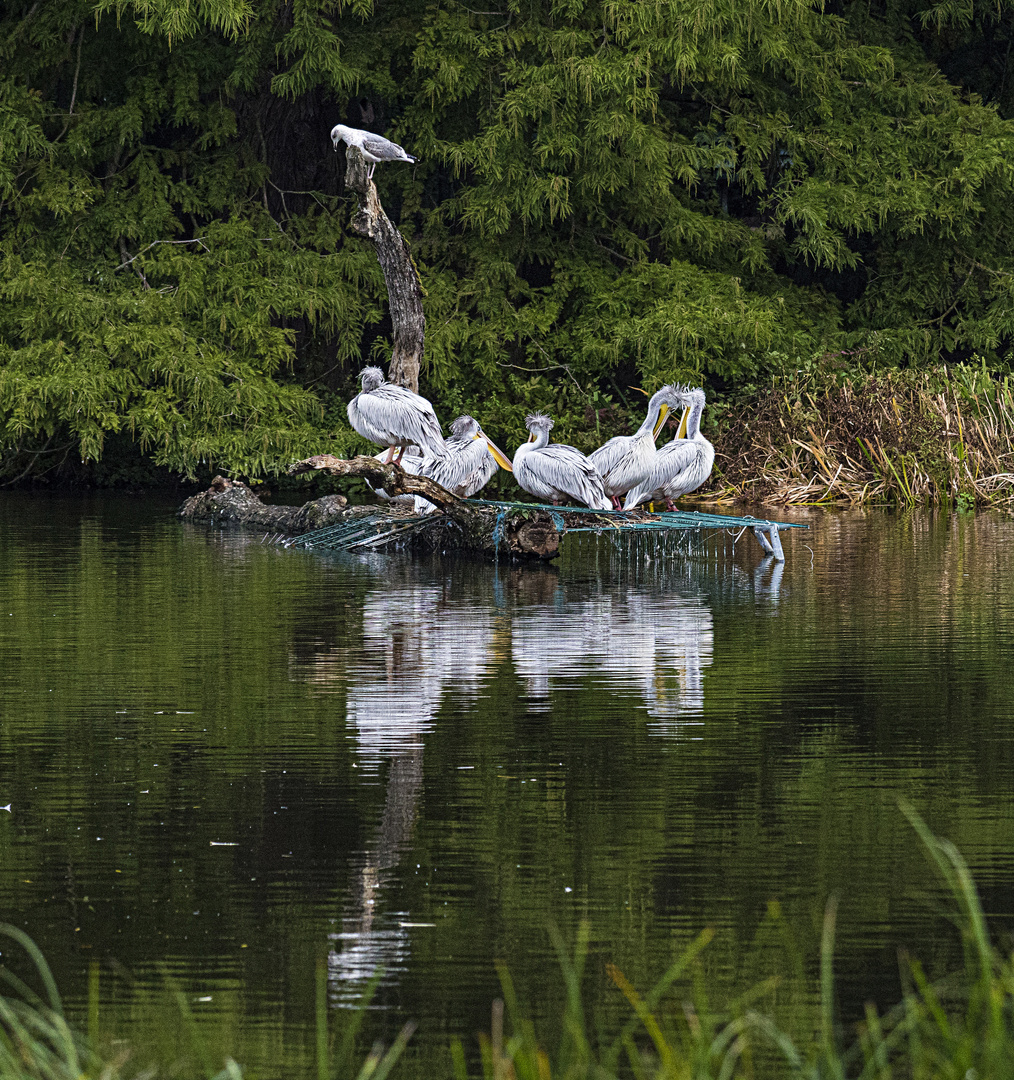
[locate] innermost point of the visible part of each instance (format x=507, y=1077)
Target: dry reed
x=906, y=437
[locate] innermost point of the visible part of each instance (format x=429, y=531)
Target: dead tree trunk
x=404, y=290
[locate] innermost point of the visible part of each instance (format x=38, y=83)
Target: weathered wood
x=387, y=475
x=404, y=289
x=480, y=530
x=231, y=502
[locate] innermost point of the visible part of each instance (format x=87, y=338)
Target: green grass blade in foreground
x=37, y=1039
x=378, y=1064
x=575, y=1051
x=611, y=1059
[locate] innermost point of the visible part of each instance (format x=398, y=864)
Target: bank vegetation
x=607, y=194
x=939, y=437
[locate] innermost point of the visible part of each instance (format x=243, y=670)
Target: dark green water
x=226, y=761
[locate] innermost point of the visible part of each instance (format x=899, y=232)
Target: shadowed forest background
x=607, y=194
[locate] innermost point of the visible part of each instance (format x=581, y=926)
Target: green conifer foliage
x=608, y=191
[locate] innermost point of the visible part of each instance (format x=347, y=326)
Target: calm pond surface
x=228, y=762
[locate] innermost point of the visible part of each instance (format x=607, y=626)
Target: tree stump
x=404, y=289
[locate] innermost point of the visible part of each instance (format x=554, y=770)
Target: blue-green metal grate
x=376, y=529
x=641, y=519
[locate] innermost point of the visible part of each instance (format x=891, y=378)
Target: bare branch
x=391, y=477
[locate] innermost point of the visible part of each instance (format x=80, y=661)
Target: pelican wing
x=610, y=454
x=625, y=461
x=466, y=469
x=394, y=416
x=680, y=466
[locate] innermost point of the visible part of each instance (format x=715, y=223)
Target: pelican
x=556, y=471
x=469, y=464
x=470, y=461
x=626, y=460
x=374, y=147
x=393, y=416
x=681, y=465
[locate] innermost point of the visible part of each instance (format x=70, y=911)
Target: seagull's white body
x=556, y=471
x=681, y=465
x=374, y=148
x=392, y=415
x=626, y=460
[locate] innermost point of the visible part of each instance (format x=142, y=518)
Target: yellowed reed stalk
x=911, y=438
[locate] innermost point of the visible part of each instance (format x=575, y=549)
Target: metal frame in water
x=380, y=528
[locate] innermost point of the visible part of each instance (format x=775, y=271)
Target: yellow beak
x=682, y=433
x=662, y=414
x=498, y=455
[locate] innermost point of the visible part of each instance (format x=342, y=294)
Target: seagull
x=391, y=416
x=374, y=147
x=625, y=461
x=681, y=465
x=556, y=471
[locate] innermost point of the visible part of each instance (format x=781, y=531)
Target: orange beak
x=662, y=414
x=498, y=455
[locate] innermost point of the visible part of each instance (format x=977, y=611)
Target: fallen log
x=457, y=526
x=231, y=502
x=379, y=474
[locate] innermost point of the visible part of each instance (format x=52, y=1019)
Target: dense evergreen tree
x=608, y=191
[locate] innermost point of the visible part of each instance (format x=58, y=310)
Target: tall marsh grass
x=934, y=437
x=961, y=1028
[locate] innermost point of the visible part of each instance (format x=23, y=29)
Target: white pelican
x=374, y=147
x=556, y=471
x=625, y=461
x=393, y=416
x=681, y=465
x=470, y=462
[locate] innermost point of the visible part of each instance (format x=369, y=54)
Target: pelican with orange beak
x=470, y=459
x=682, y=465
x=469, y=462
x=625, y=461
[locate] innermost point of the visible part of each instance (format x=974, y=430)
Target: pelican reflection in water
x=421, y=641
x=415, y=646
x=635, y=641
